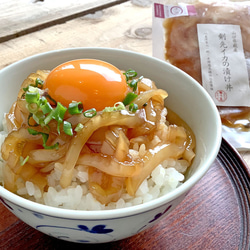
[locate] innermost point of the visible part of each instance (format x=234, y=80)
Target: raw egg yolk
x=97, y=84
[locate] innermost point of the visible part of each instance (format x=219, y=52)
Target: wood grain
x=19, y=17
x=115, y=27
x=214, y=215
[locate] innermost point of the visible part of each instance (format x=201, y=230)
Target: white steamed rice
x=164, y=178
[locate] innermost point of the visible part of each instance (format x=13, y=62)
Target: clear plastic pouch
x=211, y=42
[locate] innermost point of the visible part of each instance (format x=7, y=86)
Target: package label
x=224, y=69
x=167, y=11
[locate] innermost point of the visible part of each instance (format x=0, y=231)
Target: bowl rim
x=120, y=212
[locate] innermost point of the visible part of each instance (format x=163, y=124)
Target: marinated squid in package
x=211, y=42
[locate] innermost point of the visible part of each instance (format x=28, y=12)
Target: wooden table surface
x=32, y=27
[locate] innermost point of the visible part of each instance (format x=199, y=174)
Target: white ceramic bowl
x=186, y=97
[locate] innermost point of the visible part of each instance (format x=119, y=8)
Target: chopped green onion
x=42, y=101
x=46, y=107
x=133, y=84
x=44, y=137
x=39, y=82
x=32, y=97
x=129, y=98
x=39, y=118
x=130, y=74
x=109, y=109
x=48, y=118
x=33, y=89
x=58, y=112
x=79, y=127
x=67, y=128
x=117, y=106
x=75, y=108
x=33, y=107
x=23, y=161
x=58, y=115
x=133, y=107
x=90, y=113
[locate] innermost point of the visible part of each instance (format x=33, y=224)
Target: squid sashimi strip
x=151, y=160
x=176, y=135
x=11, y=150
x=12, y=122
x=15, y=142
x=146, y=84
x=189, y=155
x=110, y=165
x=47, y=155
x=17, y=116
x=145, y=96
x=122, y=148
x=121, y=118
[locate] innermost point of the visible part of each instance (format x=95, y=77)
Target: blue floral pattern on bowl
x=90, y=230
x=160, y=214
x=64, y=231
x=98, y=229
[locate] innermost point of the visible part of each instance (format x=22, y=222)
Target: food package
x=211, y=42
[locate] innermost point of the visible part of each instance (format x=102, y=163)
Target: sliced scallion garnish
x=133, y=84
x=133, y=107
x=79, y=127
x=67, y=128
x=39, y=82
x=23, y=160
x=130, y=74
x=129, y=98
x=117, y=106
x=48, y=118
x=39, y=118
x=75, y=108
x=90, y=113
x=45, y=105
x=58, y=114
x=32, y=97
x=33, y=107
